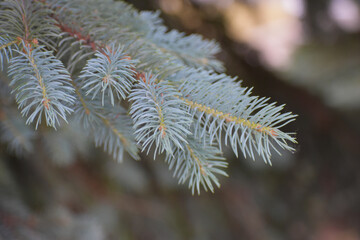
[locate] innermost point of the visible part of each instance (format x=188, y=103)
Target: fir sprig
x=41, y=85
x=251, y=124
x=111, y=73
x=109, y=126
x=198, y=164
x=109, y=56
x=28, y=20
x=160, y=118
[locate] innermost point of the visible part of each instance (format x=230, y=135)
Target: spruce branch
x=41, y=85
x=159, y=117
x=28, y=20
x=116, y=56
x=192, y=50
x=244, y=131
x=109, y=73
x=198, y=164
x=220, y=104
x=117, y=135
x=110, y=126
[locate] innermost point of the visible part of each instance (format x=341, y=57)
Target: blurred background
x=305, y=53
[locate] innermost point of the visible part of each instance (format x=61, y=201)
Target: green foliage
x=41, y=85
x=159, y=116
x=206, y=164
x=92, y=60
x=110, y=73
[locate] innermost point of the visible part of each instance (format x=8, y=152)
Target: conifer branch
x=111, y=73
x=81, y=99
x=28, y=20
x=248, y=129
x=110, y=127
x=116, y=137
x=42, y=85
x=228, y=118
x=159, y=117
x=192, y=50
x=219, y=104
x=178, y=104
x=198, y=164
x=115, y=131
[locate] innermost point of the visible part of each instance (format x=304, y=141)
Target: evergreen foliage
x=92, y=60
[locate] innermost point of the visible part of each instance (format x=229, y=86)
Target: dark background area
x=303, y=53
